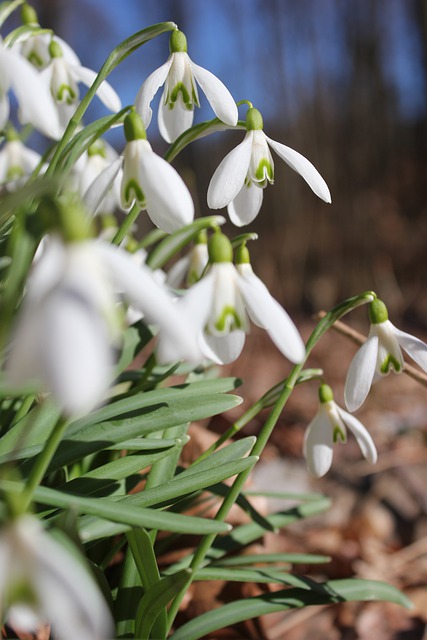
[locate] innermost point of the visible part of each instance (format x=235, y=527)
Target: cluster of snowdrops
x=83, y=277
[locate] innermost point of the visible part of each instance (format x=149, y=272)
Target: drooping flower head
x=240, y=178
x=42, y=582
x=328, y=427
x=380, y=354
x=189, y=269
x=180, y=77
x=221, y=303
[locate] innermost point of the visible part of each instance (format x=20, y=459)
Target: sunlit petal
x=169, y=203
x=99, y=188
x=413, y=346
x=105, y=91
x=228, y=347
x=230, y=174
x=360, y=374
x=246, y=205
x=301, y=165
x=218, y=95
x=268, y=313
x=174, y=121
x=318, y=445
x=148, y=90
x=361, y=434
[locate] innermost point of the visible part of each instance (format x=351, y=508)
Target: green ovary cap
x=55, y=49
x=219, y=248
x=254, y=120
x=242, y=255
x=29, y=15
x=378, y=312
x=325, y=393
x=178, y=42
x=134, y=127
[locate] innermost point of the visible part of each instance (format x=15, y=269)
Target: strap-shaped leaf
x=323, y=593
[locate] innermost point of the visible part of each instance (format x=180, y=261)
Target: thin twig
x=359, y=339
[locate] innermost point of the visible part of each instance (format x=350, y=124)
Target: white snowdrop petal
x=176, y=274
x=169, y=203
x=301, y=165
x=173, y=122
x=99, y=188
x=360, y=374
x=414, y=347
x=105, y=91
x=76, y=358
x=218, y=95
x=27, y=83
x=318, y=445
x=230, y=174
x=246, y=205
x=268, y=313
x=148, y=90
x=4, y=111
x=363, y=437
x=227, y=348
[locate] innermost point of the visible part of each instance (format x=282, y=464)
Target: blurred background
x=341, y=81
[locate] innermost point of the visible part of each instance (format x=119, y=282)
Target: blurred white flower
x=89, y=166
x=180, y=75
x=70, y=321
x=41, y=581
x=240, y=178
x=381, y=353
x=17, y=162
x=189, y=269
x=63, y=75
x=36, y=105
x=328, y=427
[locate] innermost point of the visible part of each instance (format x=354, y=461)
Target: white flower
x=148, y=180
x=219, y=306
x=35, y=102
x=70, y=322
x=240, y=178
x=381, y=353
x=87, y=169
x=179, y=75
x=43, y=582
x=328, y=427
x=62, y=76
x=189, y=268
x=17, y=162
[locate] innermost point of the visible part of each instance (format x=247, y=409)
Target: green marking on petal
x=132, y=187
x=35, y=60
x=339, y=435
x=390, y=363
x=14, y=172
x=264, y=172
x=228, y=313
x=66, y=93
x=188, y=101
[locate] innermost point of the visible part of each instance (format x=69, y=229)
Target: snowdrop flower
x=240, y=178
x=17, y=162
x=63, y=77
x=70, y=321
x=147, y=179
x=221, y=303
x=41, y=581
x=179, y=75
x=190, y=268
x=89, y=166
x=381, y=353
x=328, y=427
x=35, y=102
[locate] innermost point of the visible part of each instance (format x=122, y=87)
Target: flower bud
x=325, y=394
x=254, y=120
